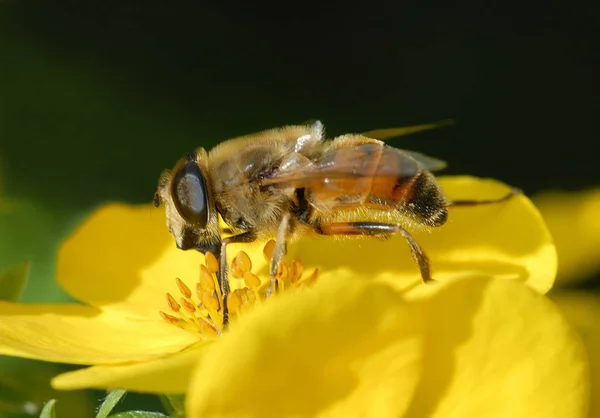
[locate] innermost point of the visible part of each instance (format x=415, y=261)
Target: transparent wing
x=427, y=162
x=352, y=162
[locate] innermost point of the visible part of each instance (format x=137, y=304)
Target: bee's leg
x=222, y=276
x=378, y=228
x=513, y=192
x=279, y=251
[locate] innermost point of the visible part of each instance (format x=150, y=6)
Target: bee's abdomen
x=425, y=200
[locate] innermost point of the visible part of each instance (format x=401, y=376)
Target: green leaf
x=24, y=389
x=13, y=281
x=174, y=405
x=48, y=410
x=111, y=400
x=139, y=414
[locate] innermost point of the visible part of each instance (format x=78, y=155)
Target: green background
x=97, y=97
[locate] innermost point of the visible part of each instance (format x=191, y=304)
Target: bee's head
x=190, y=210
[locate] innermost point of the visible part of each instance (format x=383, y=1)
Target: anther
x=234, y=302
x=206, y=281
x=211, y=262
x=242, y=262
x=169, y=319
x=312, y=278
x=175, y=307
x=243, y=294
x=296, y=270
x=210, y=303
x=185, y=291
x=268, y=250
x=250, y=296
x=251, y=280
x=207, y=329
x=235, y=272
x=282, y=271
x=187, y=305
x=199, y=291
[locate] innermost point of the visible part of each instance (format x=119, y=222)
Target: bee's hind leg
x=279, y=251
x=511, y=193
x=379, y=228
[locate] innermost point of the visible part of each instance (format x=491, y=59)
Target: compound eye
x=189, y=194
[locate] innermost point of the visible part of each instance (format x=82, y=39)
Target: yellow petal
x=495, y=348
x=83, y=335
x=123, y=256
x=582, y=310
x=343, y=348
x=169, y=374
x=506, y=240
x=574, y=221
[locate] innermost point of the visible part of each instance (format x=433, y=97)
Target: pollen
x=198, y=307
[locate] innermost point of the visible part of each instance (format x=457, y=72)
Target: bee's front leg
x=222, y=276
x=279, y=251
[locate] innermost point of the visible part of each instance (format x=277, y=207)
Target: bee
x=292, y=181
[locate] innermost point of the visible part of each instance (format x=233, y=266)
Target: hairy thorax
x=239, y=198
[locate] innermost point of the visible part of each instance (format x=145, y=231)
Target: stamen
x=170, y=319
x=296, y=270
x=212, y=266
x=234, y=302
x=243, y=295
x=310, y=280
x=250, y=297
x=201, y=311
x=207, y=283
x=281, y=275
x=242, y=262
x=185, y=291
x=268, y=250
x=211, y=262
x=282, y=272
x=235, y=272
x=210, y=303
x=172, y=303
x=187, y=305
x=199, y=292
x=251, y=280
x=208, y=330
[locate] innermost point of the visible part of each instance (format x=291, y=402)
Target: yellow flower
x=119, y=263
x=573, y=219
x=367, y=339
x=582, y=310
x=479, y=347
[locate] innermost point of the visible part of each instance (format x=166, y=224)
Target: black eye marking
x=156, y=200
x=190, y=195
x=189, y=239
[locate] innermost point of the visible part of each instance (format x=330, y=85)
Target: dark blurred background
x=97, y=97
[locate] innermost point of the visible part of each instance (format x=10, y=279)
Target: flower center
x=201, y=311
